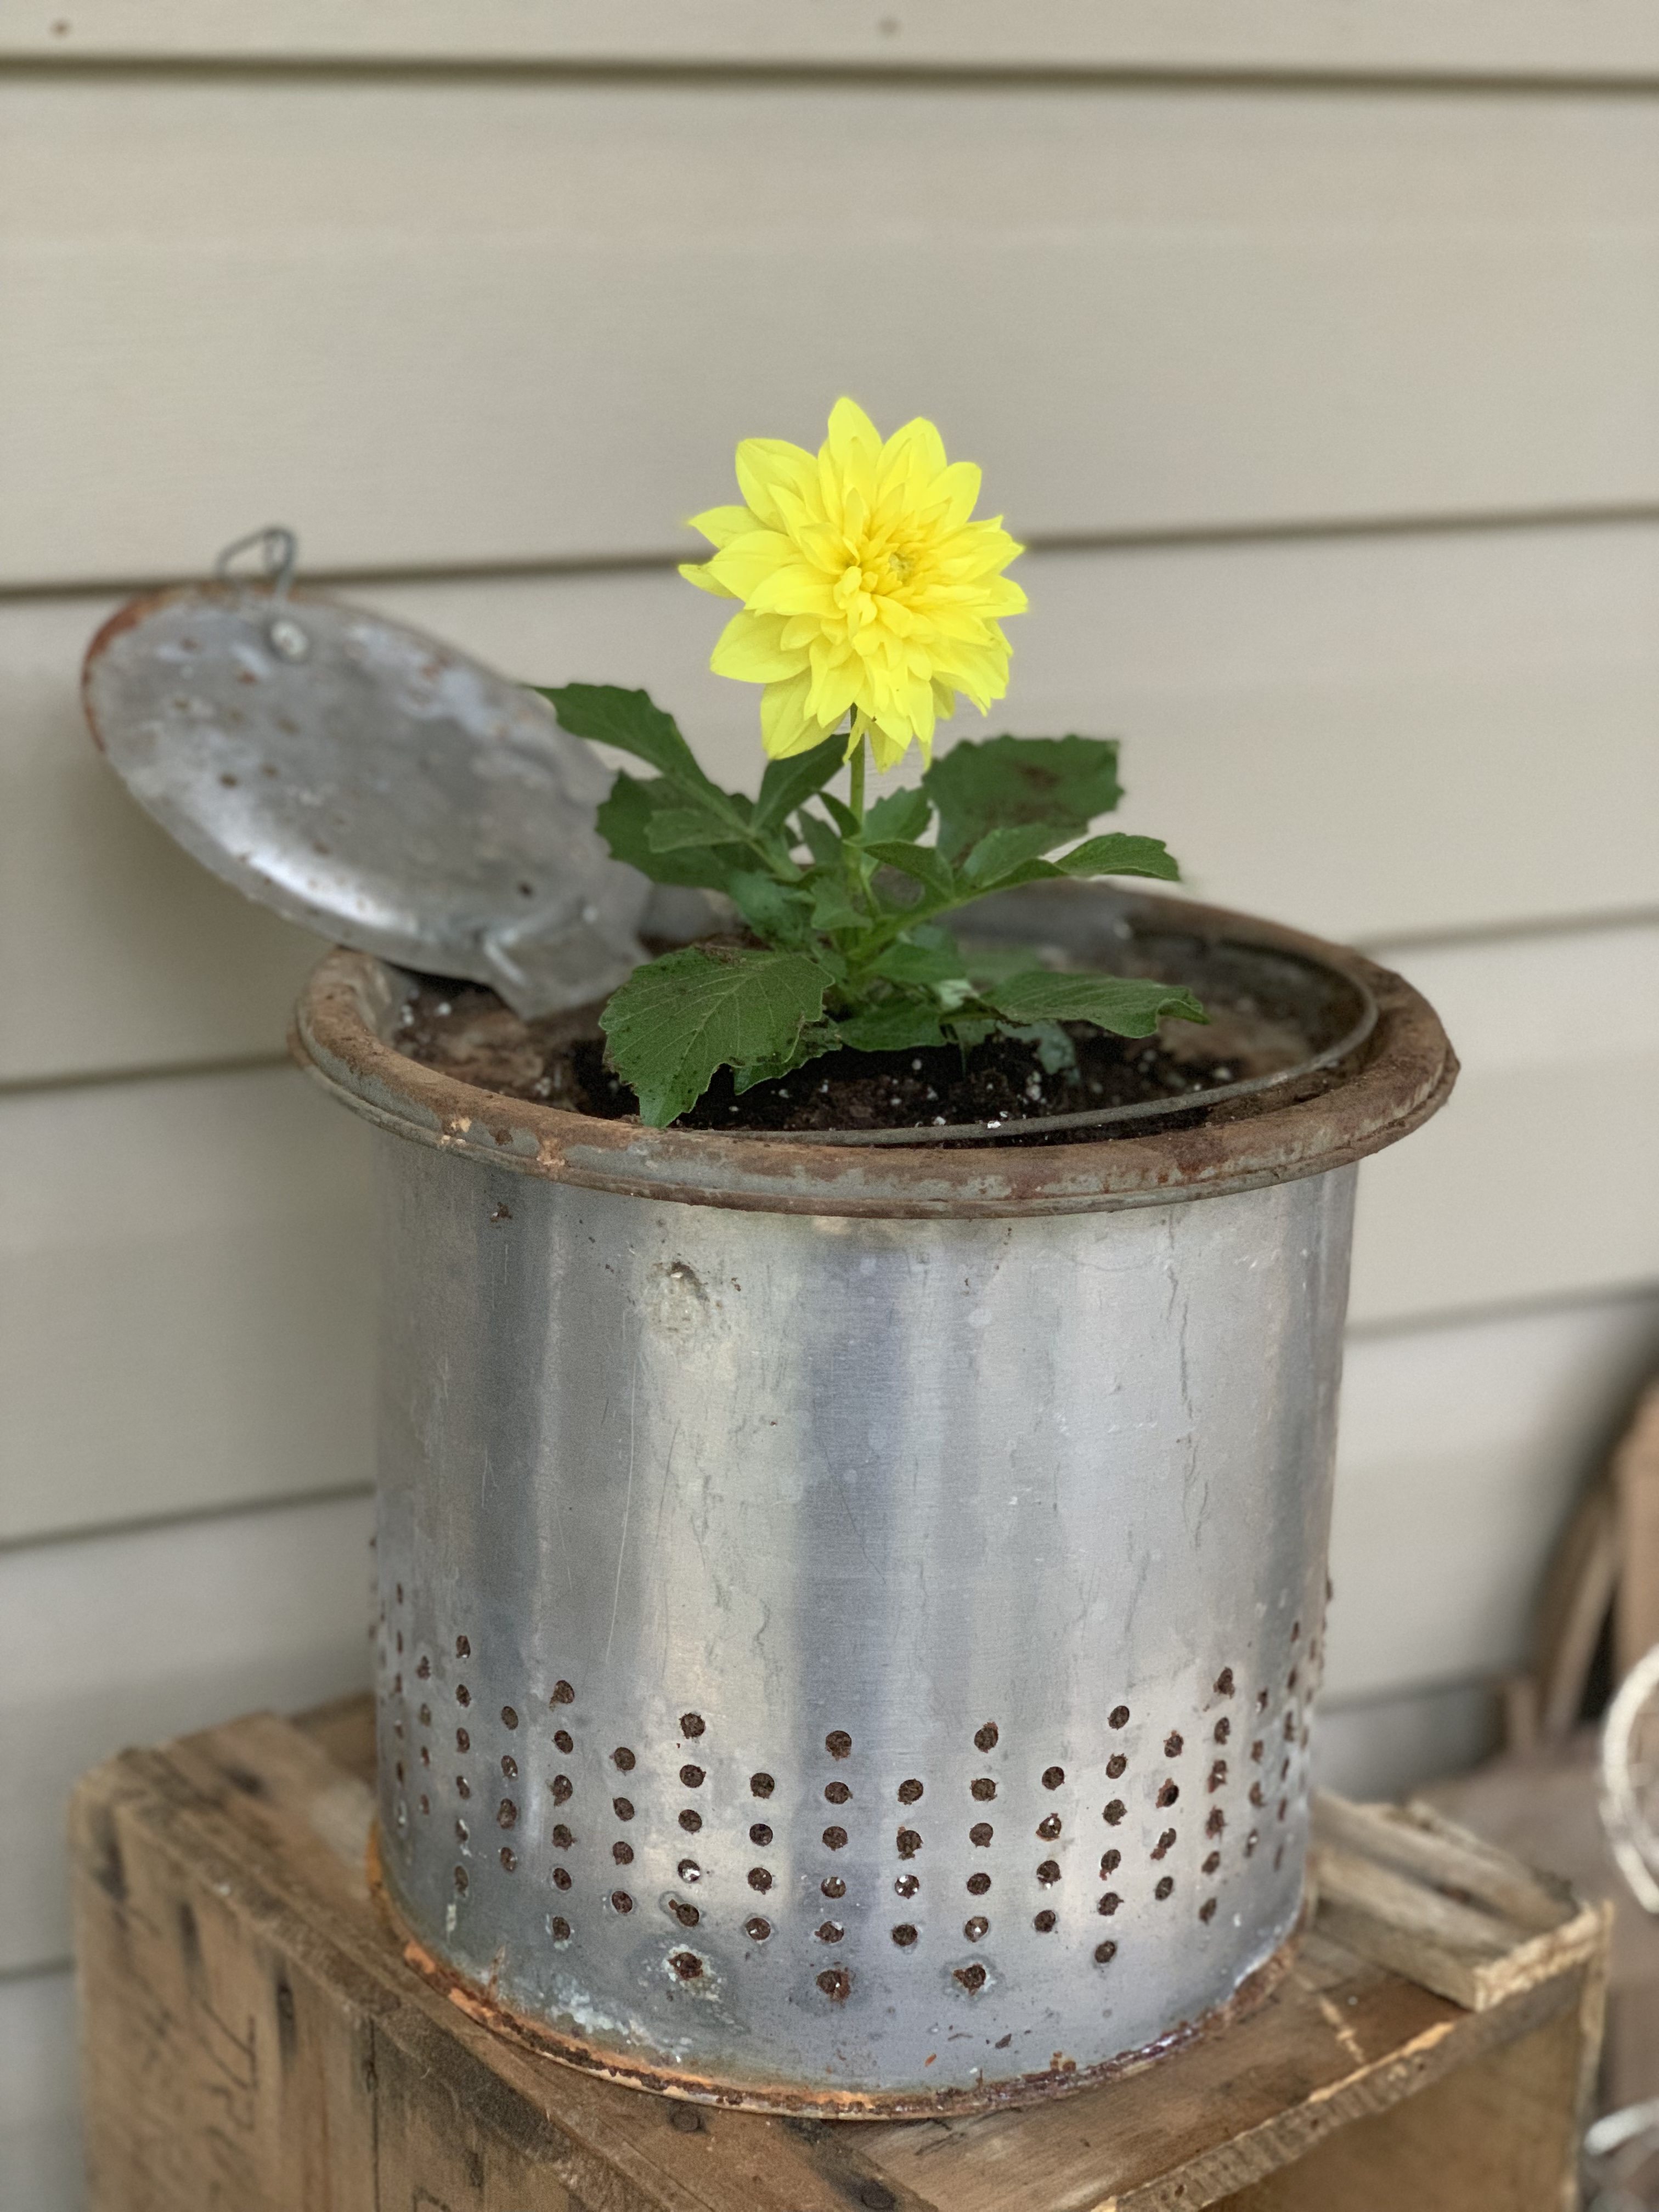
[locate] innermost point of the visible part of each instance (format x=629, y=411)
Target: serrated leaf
x=1001, y=851
x=781, y=912
x=1115, y=854
x=1128, y=1005
x=998, y=783
x=1119, y=854
x=907, y=962
x=789, y=783
x=841, y=815
x=671, y=828
x=903, y=814
x=624, y=821
x=677, y=1020
x=924, y=864
x=895, y=1026
x=634, y=723
x=814, y=1040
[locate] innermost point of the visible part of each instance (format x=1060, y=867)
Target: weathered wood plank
x=1407, y=1889
x=273, y=1827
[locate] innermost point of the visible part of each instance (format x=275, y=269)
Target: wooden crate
x=254, y=2041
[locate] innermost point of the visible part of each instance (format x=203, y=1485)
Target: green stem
x=855, y=805
x=855, y=789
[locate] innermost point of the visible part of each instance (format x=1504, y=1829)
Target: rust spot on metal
x=479, y=2003
x=1402, y=1075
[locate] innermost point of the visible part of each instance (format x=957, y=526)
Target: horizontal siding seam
x=1174, y=538
x=1272, y=75
x=241, y=1509
x=1362, y=1701
x=29, y=1086
x=1448, y=1318
x=45, y=1970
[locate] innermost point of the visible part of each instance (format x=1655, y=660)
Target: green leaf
x=903, y=814
x=625, y=821
x=970, y=1030
x=907, y=962
x=841, y=815
x=779, y=913
x=677, y=1020
x=924, y=864
x=1001, y=851
x=1004, y=783
x=895, y=1026
x=671, y=828
x=1117, y=854
x=832, y=903
x=633, y=723
x=994, y=963
x=815, y=1040
x=1055, y=1048
x=820, y=840
x=790, y=783
x=1128, y=1006
x=1113, y=855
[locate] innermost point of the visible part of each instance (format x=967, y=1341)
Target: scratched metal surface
x=850, y=1662
x=371, y=782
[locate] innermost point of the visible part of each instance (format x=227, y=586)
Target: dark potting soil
x=467, y=1032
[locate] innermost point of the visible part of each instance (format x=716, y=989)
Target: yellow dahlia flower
x=864, y=585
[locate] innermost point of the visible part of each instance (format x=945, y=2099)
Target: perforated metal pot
x=850, y=1617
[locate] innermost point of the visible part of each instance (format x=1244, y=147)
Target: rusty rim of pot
x=1397, y=1072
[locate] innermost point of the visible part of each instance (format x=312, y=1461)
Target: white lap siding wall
x=1317, y=373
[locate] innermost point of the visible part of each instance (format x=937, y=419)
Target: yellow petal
x=696, y=572
x=889, y=743
x=851, y=431
x=765, y=464
x=720, y=524
x=750, y=649
x=748, y=561
x=785, y=726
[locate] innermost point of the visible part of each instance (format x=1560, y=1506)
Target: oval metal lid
x=371, y=782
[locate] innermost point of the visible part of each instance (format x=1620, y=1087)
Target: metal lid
x=368, y=781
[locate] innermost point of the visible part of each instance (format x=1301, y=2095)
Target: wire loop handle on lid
x=279, y=556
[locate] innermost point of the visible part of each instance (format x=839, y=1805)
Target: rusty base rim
x=479, y=2005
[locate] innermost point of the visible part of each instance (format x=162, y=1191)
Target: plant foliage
x=845, y=905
